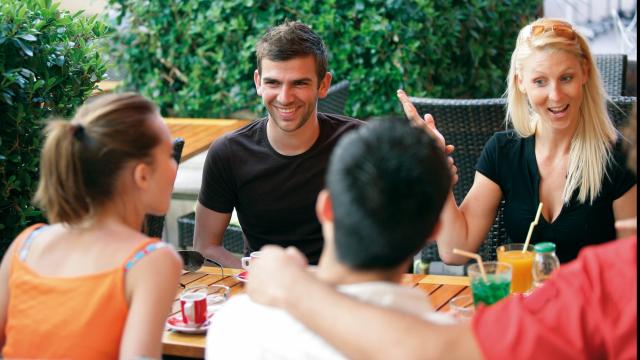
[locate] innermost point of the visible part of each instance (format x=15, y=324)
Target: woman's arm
x=466, y=227
x=151, y=288
x=359, y=330
x=463, y=227
x=4, y=291
x=625, y=207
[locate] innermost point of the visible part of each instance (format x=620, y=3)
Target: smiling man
x=272, y=170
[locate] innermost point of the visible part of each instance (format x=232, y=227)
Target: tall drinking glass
x=496, y=285
x=522, y=264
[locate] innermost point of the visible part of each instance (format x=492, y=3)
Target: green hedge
x=48, y=66
x=196, y=57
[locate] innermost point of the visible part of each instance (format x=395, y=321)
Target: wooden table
x=440, y=289
x=198, y=134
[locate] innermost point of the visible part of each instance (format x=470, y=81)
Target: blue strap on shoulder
x=24, y=250
x=140, y=254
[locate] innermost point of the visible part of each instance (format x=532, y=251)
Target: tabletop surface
x=440, y=289
x=198, y=134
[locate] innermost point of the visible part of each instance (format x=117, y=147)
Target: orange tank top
x=79, y=317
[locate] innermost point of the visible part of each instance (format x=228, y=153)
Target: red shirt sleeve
x=588, y=310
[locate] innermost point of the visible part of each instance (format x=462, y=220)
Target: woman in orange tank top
x=90, y=285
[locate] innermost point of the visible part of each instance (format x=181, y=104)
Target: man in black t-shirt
x=272, y=170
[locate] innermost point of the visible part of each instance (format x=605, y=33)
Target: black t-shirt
x=274, y=195
x=509, y=161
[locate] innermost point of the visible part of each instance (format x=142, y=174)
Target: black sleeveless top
x=509, y=161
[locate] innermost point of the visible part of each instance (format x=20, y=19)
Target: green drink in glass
x=496, y=286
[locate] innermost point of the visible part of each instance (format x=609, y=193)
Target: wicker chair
x=613, y=71
x=619, y=109
x=467, y=124
x=233, y=237
x=153, y=225
x=336, y=98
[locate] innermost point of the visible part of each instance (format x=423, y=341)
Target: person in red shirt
x=587, y=311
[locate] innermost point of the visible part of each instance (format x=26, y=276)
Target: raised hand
x=429, y=124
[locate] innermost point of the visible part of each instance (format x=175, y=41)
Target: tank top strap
x=142, y=250
x=28, y=235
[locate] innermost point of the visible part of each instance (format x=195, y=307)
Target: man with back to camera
x=386, y=184
x=272, y=170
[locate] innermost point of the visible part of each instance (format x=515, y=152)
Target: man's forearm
x=362, y=330
x=221, y=255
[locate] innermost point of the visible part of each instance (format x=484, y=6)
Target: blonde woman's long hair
x=592, y=143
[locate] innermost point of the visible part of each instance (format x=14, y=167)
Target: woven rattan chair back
x=336, y=99
x=613, y=71
x=619, y=109
x=233, y=239
x=468, y=125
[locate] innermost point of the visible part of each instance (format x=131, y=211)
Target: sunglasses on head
x=561, y=30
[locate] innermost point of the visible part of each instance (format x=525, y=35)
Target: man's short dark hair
x=388, y=182
x=292, y=39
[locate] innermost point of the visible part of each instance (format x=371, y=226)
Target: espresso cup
x=193, y=307
x=246, y=261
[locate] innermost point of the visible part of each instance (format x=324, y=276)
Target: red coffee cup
x=193, y=307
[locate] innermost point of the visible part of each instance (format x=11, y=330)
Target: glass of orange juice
x=521, y=263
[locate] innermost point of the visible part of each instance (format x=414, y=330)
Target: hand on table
x=429, y=125
x=274, y=272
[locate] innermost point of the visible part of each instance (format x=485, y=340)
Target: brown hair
x=82, y=159
x=290, y=40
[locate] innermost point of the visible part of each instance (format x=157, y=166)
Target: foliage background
x=49, y=65
x=196, y=57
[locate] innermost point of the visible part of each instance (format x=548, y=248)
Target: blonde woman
x=562, y=152
x=90, y=285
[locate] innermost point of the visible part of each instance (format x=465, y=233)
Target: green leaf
x=26, y=49
x=33, y=35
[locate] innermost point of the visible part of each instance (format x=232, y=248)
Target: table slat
x=443, y=294
x=466, y=291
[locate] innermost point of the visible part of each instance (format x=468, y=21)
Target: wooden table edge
x=445, y=280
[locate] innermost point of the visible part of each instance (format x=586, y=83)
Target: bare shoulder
x=161, y=257
x=156, y=271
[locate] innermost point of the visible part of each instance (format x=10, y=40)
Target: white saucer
x=175, y=323
x=241, y=276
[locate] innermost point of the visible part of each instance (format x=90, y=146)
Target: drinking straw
x=473, y=256
x=533, y=223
